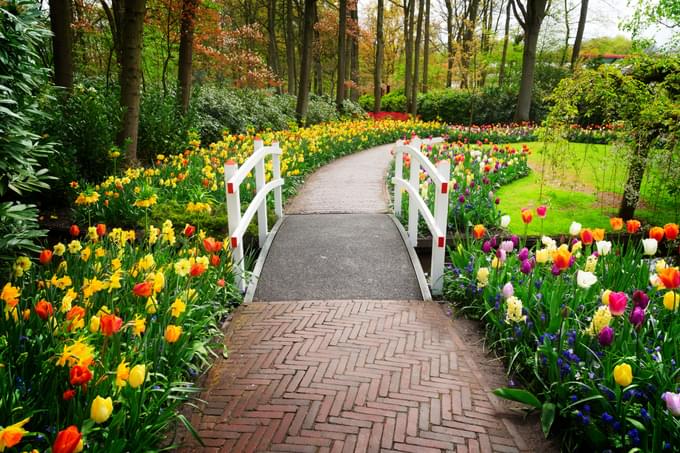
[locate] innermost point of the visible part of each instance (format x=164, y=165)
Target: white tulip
x=585, y=279
x=505, y=221
x=574, y=228
x=650, y=245
x=604, y=247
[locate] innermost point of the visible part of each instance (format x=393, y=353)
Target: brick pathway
x=349, y=376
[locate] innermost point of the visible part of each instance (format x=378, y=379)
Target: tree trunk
x=530, y=17
x=506, y=38
x=426, y=47
x=318, y=68
x=186, y=51
x=449, y=44
x=61, y=16
x=579, y=33
x=379, y=56
x=631, y=191
x=416, y=62
x=354, y=64
x=409, y=6
x=290, y=48
x=131, y=75
x=306, y=60
x=272, y=47
x=342, y=53
x=565, y=51
x=470, y=26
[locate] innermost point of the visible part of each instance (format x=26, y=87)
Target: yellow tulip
x=137, y=376
x=101, y=409
x=94, y=324
x=671, y=300
x=605, y=296
x=623, y=374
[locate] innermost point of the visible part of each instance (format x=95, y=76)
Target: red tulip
x=670, y=277
x=586, y=236
x=189, y=230
x=632, y=226
x=211, y=245
x=68, y=394
x=541, y=211
x=74, y=230
x=527, y=216
x=67, y=440
x=215, y=260
x=110, y=324
x=45, y=257
x=101, y=229
x=44, y=309
x=80, y=375
x=671, y=231
x=196, y=269
x=143, y=289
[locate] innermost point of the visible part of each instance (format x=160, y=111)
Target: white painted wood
x=441, y=212
x=262, y=226
x=398, y=172
x=276, y=174
x=234, y=218
x=414, y=181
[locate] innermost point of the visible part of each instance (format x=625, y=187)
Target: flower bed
x=188, y=187
x=477, y=172
x=588, y=325
x=102, y=336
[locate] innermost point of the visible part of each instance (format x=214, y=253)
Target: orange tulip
x=45, y=257
x=172, y=333
x=598, y=234
x=670, y=277
x=211, y=245
x=562, y=258
x=656, y=233
x=76, y=313
x=196, y=269
x=527, y=216
x=478, y=231
x=671, y=231
x=80, y=375
x=74, y=230
x=632, y=226
x=12, y=434
x=67, y=440
x=616, y=223
x=215, y=260
x=143, y=289
x=110, y=324
x=586, y=236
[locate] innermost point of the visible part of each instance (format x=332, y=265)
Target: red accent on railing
x=230, y=187
x=445, y=187
x=441, y=241
x=234, y=242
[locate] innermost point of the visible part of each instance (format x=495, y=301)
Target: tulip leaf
x=547, y=417
x=519, y=395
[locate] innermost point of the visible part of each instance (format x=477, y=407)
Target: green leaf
x=547, y=417
x=519, y=395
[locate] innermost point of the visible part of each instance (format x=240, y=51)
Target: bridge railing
x=238, y=223
x=437, y=221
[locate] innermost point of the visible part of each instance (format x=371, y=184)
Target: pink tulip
x=672, y=402
x=541, y=210
x=617, y=303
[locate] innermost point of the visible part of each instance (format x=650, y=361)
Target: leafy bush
x=352, y=110
x=394, y=101
x=366, y=102
x=21, y=78
x=321, y=109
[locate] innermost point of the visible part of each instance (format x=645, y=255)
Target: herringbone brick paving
x=349, y=376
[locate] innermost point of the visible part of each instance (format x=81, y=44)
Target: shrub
x=366, y=101
x=321, y=109
x=352, y=110
x=161, y=128
x=394, y=101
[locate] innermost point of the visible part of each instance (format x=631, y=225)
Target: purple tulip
x=498, y=201
x=640, y=299
x=508, y=246
x=467, y=192
x=494, y=242
x=555, y=270
x=472, y=184
x=501, y=255
x=523, y=254
x=526, y=267
x=461, y=199
x=455, y=186
x=637, y=316
x=606, y=336
x=515, y=240
x=672, y=402
x=486, y=247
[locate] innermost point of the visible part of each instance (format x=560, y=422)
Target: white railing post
x=234, y=218
x=276, y=174
x=259, y=184
x=441, y=212
x=414, y=180
x=399, y=173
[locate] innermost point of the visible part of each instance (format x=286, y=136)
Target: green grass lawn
x=578, y=182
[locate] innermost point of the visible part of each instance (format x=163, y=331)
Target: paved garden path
x=350, y=375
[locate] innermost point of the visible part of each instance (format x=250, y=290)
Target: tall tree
x=354, y=43
x=409, y=19
x=186, y=53
x=470, y=25
x=426, y=46
x=579, y=33
x=342, y=53
x=413, y=107
x=449, y=42
x=506, y=38
x=272, y=47
x=132, y=31
x=306, y=59
x=290, y=48
x=379, y=56
x=61, y=16
x=530, y=15
x=318, y=65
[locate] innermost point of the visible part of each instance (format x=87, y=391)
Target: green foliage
x=18, y=232
x=22, y=33
x=366, y=102
x=394, y=101
x=214, y=223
